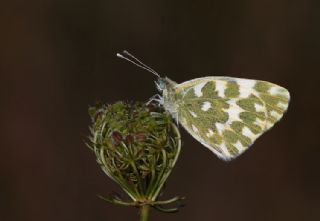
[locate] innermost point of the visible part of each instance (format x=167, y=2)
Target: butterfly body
x=169, y=99
x=224, y=114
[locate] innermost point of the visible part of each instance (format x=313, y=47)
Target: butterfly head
x=164, y=83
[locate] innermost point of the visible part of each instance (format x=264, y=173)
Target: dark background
x=58, y=57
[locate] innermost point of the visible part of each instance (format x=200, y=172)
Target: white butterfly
x=224, y=114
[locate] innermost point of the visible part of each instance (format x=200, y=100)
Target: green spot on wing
x=232, y=149
x=230, y=136
x=232, y=90
x=208, y=90
x=262, y=86
x=216, y=139
x=248, y=104
x=248, y=117
x=271, y=100
x=237, y=126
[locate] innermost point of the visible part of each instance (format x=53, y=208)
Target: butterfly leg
x=157, y=98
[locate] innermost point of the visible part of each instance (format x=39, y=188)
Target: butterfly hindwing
x=228, y=114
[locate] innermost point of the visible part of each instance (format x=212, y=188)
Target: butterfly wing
x=228, y=114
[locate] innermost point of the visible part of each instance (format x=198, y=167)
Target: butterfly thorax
x=167, y=87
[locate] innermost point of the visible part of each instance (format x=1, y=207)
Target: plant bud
x=136, y=146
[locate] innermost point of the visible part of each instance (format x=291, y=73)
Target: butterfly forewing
x=228, y=114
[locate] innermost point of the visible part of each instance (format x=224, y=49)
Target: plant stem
x=144, y=213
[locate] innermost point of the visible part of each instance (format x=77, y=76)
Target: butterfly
x=225, y=114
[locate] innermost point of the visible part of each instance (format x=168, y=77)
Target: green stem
x=144, y=213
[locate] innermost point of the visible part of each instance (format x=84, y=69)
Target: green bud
x=137, y=146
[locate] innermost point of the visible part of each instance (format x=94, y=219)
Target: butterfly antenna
x=136, y=62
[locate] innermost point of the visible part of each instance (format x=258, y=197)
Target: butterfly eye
x=161, y=84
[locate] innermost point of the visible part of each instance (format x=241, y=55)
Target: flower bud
x=136, y=145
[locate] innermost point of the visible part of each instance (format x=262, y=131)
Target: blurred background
x=57, y=57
